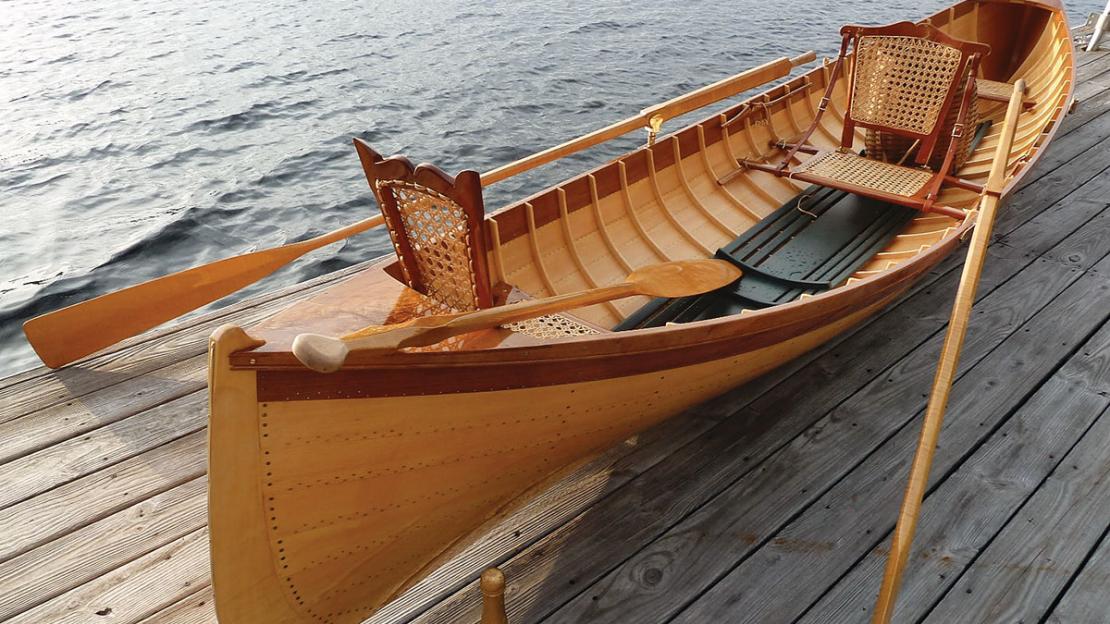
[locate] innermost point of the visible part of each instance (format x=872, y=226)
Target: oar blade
x=684, y=278
x=69, y=334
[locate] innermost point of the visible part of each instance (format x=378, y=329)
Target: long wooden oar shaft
x=947, y=368
x=680, y=105
x=679, y=278
x=65, y=335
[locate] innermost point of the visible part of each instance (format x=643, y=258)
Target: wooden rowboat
x=332, y=493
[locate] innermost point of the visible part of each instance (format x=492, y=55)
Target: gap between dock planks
x=163, y=352
x=967, y=510
x=1084, y=600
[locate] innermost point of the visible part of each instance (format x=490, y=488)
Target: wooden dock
x=773, y=503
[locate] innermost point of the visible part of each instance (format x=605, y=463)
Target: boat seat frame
x=914, y=187
x=436, y=223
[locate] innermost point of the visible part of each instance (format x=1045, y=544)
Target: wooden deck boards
x=773, y=503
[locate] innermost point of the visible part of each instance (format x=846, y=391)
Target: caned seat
x=905, y=80
x=436, y=224
x=874, y=175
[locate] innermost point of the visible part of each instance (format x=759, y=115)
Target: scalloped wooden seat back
x=436, y=224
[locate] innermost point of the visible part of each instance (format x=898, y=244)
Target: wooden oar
x=946, y=369
x=65, y=335
x=682, y=278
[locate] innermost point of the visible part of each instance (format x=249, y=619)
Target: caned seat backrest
x=436, y=224
x=904, y=79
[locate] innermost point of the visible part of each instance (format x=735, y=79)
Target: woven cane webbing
x=901, y=82
x=890, y=147
x=551, y=326
x=871, y=174
x=437, y=230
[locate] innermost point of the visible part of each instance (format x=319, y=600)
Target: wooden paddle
x=65, y=335
x=682, y=278
x=947, y=368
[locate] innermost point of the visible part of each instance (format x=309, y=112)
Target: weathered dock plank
x=1084, y=602
x=96, y=549
x=968, y=509
x=133, y=591
x=80, y=502
x=1022, y=571
x=77, y=457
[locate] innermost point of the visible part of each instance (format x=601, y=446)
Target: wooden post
x=946, y=369
x=493, y=597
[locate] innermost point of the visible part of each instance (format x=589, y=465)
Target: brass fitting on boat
x=653, y=127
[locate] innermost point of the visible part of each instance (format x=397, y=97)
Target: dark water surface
x=139, y=139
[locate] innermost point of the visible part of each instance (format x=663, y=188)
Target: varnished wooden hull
x=332, y=493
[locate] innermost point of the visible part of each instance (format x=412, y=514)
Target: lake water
x=139, y=139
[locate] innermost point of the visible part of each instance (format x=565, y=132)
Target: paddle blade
x=66, y=335
x=683, y=278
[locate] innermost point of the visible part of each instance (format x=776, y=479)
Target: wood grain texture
x=198, y=608
x=40, y=429
x=1084, y=602
x=94, y=550
x=131, y=592
x=76, y=504
x=968, y=509
x=1043, y=546
x=77, y=457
